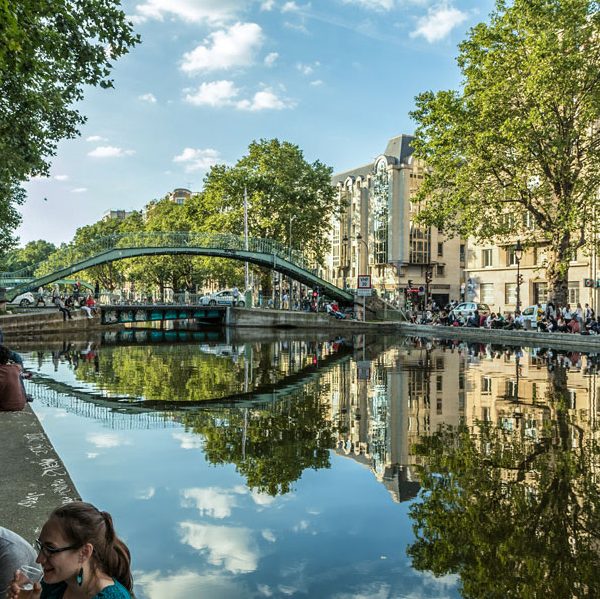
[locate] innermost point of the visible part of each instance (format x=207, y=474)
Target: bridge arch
x=262, y=252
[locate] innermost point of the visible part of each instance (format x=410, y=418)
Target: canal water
x=343, y=467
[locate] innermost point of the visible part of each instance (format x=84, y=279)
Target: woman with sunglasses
x=81, y=556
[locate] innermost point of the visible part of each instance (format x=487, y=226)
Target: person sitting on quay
x=573, y=326
x=88, y=306
x=473, y=320
x=81, y=556
x=62, y=308
x=15, y=551
x=12, y=390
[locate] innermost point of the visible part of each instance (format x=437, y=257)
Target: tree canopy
x=516, y=151
x=49, y=50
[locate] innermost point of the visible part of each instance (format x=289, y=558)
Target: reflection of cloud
x=211, y=501
x=268, y=535
x=189, y=440
x=302, y=525
x=265, y=590
x=105, y=440
x=183, y=585
x=231, y=548
x=262, y=499
x=146, y=493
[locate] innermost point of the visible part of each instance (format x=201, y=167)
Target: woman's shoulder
x=53, y=591
x=114, y=591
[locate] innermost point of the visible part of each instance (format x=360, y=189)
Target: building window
x=540, y=293
x=420, y=239
x=511, y=258
x=380, y=193
x=573, y=292
x=438, y=383
x=440, y=248
x=461, y=255
x=486, y=385
x=440, y=270
x=510, y=293
x=486, y=292
x=486, y=257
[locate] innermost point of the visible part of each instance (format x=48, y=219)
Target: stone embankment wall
x=40, y=322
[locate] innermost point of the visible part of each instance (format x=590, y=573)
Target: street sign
x=364, y=292
x=364, y=281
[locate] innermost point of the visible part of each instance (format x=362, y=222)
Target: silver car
x=468, y=308
x=222, y=298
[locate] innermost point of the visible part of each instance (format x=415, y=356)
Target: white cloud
x=262, y=499
x=95, y=138
x=106, y=440
x=188, y=440
x=271, y=58
x=231, y=548
x=109, y=152
x=316, y=83
x=197, y=159
x=79, y=190
x=151, y=98
x=225, y=49
x=192, y=11
x=267, y=5
x=264, y=100
x=212, y=93
x=92, y=455
x=212, y=501
x=373, y=4
x=290, y=7
x=61, y=177
x=307, y=69
x=439, y=22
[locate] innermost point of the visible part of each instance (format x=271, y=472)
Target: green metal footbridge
x=263, y=252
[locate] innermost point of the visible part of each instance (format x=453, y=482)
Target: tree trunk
x=557, y=270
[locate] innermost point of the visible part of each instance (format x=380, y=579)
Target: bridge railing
x=71, y=254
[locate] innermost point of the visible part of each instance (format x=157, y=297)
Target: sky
x=336, y=77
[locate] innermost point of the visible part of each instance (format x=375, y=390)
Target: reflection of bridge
x=113, y=410
x=262, y=252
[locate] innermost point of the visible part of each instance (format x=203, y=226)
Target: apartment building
x=376, y=233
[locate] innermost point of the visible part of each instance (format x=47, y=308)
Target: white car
x=24, y=300
x=467, y=308
x=222, y=298
x=530, y=314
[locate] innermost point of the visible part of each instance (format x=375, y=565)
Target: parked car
x=24, y=300
x=467, y=308
x=221, y=298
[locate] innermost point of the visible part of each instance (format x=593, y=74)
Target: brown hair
x=83, y=523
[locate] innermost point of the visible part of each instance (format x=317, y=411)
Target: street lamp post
x=518, y=256
x=345, y=262
x=361, y=240
x=292, y=218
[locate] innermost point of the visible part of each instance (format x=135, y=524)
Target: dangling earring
x=79, y=577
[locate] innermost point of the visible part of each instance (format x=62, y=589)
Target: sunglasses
x=50, y=551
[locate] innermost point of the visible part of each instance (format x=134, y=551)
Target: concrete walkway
x=33, y=479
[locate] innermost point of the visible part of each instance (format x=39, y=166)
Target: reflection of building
x=414, y=392
x=377, y=233
x=409, y=393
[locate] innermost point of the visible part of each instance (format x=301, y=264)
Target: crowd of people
x=546, y=318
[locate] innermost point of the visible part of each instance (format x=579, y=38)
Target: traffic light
x=520, y=280
x=428, y=276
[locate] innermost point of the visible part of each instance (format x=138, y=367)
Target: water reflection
x=499, y=446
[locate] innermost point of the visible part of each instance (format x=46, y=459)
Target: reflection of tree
x=269, y=447
x=513, y=517
x=158, y=373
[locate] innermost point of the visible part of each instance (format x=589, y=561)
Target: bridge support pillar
x=2, y=299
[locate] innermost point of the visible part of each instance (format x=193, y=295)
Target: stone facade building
x=376, y=234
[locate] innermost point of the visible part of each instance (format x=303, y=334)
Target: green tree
x=514, y=517
x=49, y=50
x=31, y=254
x=518, y=144
x=281, y=185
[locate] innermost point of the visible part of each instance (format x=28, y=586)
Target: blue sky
x=336, y=77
